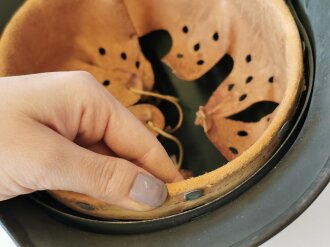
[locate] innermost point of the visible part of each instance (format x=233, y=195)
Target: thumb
x=113, y=180
x=118, y=182
x=69, y=167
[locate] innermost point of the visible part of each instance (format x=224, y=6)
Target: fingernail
x=148, y=190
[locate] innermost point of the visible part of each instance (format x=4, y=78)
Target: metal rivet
x=85, y=206
x=193, y=195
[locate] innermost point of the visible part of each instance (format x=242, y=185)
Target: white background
x=311, y=229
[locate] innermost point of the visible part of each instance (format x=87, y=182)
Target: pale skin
x=60, y=131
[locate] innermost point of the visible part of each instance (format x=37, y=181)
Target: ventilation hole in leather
x=200, y=62
x=230, y=87
x=243, y=97
x=102, y=51
x=242, y=133
x=210, y=81
x=197, y=47
x=249, y=79
x=185, y=29
x=179, y=55
x=271, y=79
x=137, y=64
x=268, y=119
x=106, y=83
x=248, y=58
x=156, y=45
x=255, y=112
x=233, y=150
x=216, y=36
x=123, y=56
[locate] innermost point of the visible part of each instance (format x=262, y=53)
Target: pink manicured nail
x=148, y=190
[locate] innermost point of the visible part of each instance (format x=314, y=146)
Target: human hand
x=60, y=131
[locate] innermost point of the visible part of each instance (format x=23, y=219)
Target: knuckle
x=86, y=78
x=72, y=82
x=83, y=86
x=82, y=75
x=150, y=155
x=104, y=178
x=82, y=79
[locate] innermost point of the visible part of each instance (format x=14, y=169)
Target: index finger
x=130, y=139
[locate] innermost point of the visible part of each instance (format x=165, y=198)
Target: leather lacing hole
x=216, y=36
x=249, y=79
x=123, y=56
x=185, y=29
x=233, y=150
x=248, y=58
x=230, y=87
x=102, y=51
x=106, y=83
x=243, y=97
x=137, y=64
x=197, y=47
x=179, y=55
x=242, y=133
x=200, y=62
x=271, y=79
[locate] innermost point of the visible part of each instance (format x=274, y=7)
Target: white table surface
x=312, y=228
